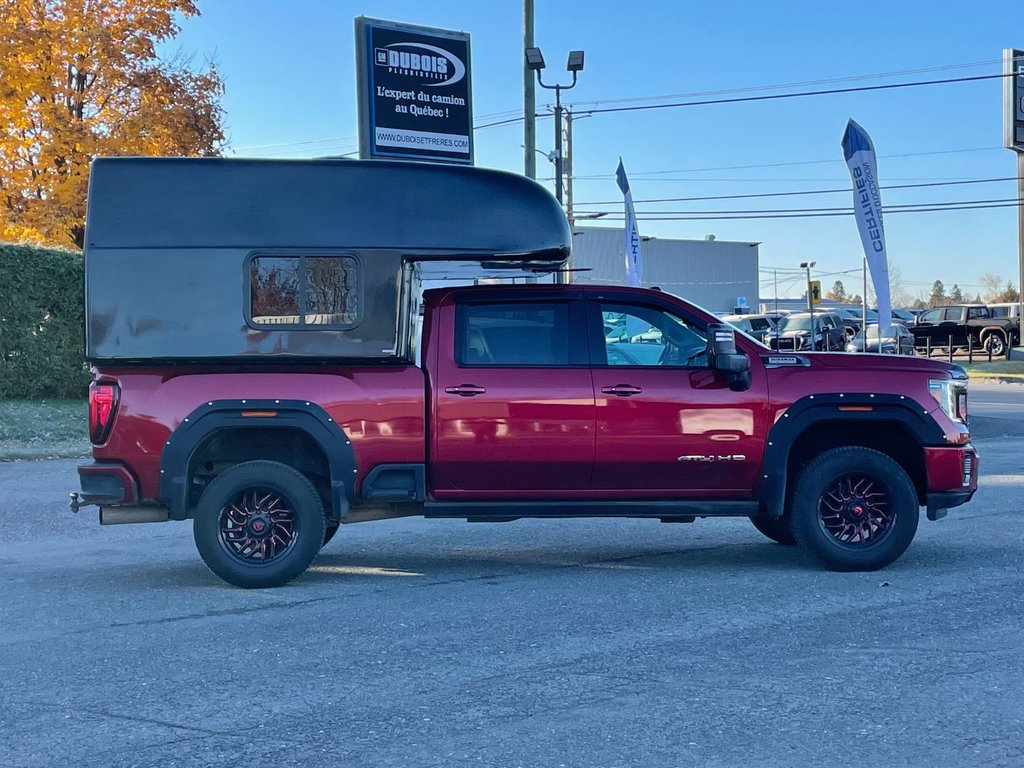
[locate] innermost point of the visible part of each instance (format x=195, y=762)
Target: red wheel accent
x=855, y=511
x=257, y=526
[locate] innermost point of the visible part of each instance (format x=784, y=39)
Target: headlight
x=951, y=395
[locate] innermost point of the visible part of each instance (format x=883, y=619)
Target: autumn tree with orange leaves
x=81, y=79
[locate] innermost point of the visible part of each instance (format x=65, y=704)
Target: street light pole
x=535, y=61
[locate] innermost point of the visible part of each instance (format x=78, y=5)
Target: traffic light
x=815, y=291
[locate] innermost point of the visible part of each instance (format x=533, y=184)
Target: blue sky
x=290, y=75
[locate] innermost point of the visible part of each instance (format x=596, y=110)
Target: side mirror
x=724, y=357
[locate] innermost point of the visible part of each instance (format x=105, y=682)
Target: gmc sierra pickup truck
x=268, y=365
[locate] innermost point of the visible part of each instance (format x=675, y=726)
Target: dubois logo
x=432, y=65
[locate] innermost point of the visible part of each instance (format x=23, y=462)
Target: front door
x=667, y=425
x=513, y=401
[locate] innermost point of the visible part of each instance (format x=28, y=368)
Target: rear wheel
x=259, y=524
x=854, y=509
x=777, y=529
x=995, y=343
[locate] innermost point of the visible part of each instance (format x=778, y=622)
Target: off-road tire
x=994, y=343
x=778, y=529
x=874, y=483
x=294, y=501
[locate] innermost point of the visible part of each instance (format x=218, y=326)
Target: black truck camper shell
x=211, y=258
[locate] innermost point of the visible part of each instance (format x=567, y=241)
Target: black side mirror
x=724, y=357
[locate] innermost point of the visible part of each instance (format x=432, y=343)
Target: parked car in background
x=896, y=340
x=853, y=319
x=954, y=325
x=776, y=314
x=1010, y=309
x=825, y=332
x=756, y=326
x=905, y=316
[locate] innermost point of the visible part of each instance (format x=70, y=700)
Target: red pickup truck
x=272, y=382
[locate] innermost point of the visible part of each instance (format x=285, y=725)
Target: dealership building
x=715, y=274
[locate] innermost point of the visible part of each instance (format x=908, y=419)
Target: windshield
x=798, y=323
x=890, y=333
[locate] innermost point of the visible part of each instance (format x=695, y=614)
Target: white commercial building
x=714, y=274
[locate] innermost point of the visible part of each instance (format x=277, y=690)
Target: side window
x=931, y=316
x=646, y=336
x=515, y=334
x=304, y=292
x=955, y=314
x=1000, y=311
x=974, y=312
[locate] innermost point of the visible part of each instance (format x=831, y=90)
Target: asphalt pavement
x=997, y=410
x=534, y=643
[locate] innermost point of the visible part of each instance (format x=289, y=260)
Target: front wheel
x=995, y=344
x=854, y=509
x=259, y=524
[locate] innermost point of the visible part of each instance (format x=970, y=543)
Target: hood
x=887, y=363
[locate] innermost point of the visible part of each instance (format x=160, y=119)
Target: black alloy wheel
x=854, y=509
x=259, y=524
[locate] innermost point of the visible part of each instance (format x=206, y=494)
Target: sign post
x=1013, y=138
x=415, y=95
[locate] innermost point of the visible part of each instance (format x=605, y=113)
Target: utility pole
x=810, y=299
x=529, y=98
x=1020, y=247
x=568, y=168
x=559, y=160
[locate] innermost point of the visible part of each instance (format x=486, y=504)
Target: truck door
x=954, y=324
x=927, y=327
x=667, y=425
x=513, y=399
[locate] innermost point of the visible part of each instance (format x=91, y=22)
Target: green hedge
x=41, y=324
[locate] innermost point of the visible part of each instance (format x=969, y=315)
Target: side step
x=666, y=511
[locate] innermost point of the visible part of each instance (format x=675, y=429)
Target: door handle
x=622, y=390
x=465, y=390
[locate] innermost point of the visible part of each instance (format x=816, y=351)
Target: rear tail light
x=968, y=469
x=102, y=408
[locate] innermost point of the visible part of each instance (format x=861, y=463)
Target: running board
x=667, y=511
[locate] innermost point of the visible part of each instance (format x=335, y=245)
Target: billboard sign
x=415, y=95
x=1013, y=99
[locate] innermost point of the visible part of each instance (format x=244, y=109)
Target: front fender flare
x=814, y=409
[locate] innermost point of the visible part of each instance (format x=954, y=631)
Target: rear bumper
x=104, y=483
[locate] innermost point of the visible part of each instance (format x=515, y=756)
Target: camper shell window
x=304, y=291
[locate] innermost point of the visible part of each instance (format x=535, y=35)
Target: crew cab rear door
x=512, y=397
x=667, y=425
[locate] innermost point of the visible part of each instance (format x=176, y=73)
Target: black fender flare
x=814, y=409
x=216, y=415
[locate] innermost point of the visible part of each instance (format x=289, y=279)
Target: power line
x=697, y=216
x=798, y=84
x=798, y=94
x=645, y=174
x=843, y=190
x=844, y=209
